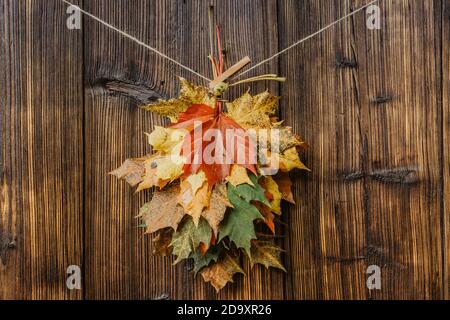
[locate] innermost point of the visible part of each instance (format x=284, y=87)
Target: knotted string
x=238, y=75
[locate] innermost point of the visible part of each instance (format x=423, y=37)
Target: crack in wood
x=345, y=259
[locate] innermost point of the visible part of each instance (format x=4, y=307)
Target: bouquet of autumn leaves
x=207, y=210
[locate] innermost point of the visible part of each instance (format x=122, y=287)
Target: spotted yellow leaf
x=190, y=94
x=239, y=176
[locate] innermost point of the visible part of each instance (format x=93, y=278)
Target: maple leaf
x=267, y=254
x=163, y=210
x=258, y=113
x=287, y=139
x=285, y=186
x=203, y=260
x=188, y=238
x=238, y=176
x=131, y=171
x=238, y=225
x=290, y=160
x=166, y=140
x=253, y=111
x=269, y=217
x=161, y=243
x=219, y=202
x=196, y=181
x=160, y=170
x=197, y=143
x=194, y=203
x=222, y=272
x=253, y=192
x=190, y=94
x=271, y=187
x=286, y=161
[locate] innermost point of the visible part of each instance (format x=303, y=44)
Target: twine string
x=141, y=43
x=305, y=39
x=297, y=43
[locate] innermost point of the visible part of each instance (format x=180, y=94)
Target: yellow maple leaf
x=238, y=176
x=190, y=94
x=253, y=111
x=285, y=162
x=161, y=170
x=275, y=195
x=194, y=203
x=167, y=140
x=290, y=160
x=196, y=181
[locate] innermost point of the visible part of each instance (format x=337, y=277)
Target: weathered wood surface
x=41, y=157
x=373, y=104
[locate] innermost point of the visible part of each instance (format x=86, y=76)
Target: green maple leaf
x=188, y=238
x=251, y=193
x=201, y=261
x=238, y=225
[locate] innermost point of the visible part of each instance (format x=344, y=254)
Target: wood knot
x=345, y=63
x=402, y=176
x=5, y=245
x=163, y=296
x=382, y=99
x=138, y=92
x=352, y=176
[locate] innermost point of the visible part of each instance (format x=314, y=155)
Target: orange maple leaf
x=200, y=120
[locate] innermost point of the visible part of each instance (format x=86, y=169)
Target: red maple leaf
x=214, y=143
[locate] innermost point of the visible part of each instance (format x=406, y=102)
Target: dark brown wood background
x=373, y=104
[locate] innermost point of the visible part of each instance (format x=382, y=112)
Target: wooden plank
x=403, y=219
x=118, y=258
x=361, y=206
x=445, y=21
x=327, y=225
x=41, y=159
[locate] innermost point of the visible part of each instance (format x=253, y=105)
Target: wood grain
x=41, y=155
x=374, y=105
x=445, y=164
x=373, y=197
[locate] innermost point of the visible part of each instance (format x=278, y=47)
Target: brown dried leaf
x=161, y=243
x=163, y=211
x=285, y=185
x=131, y=171
x=221, y=272
x=267, y=254
x=219, y=202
